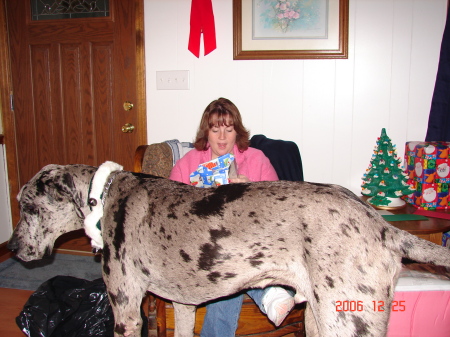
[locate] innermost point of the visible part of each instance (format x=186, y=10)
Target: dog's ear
x=72, y=193
x=68, y=188
x=59, y=184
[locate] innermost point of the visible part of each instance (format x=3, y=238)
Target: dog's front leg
x=125, y=299
x=127, y=320
x=184, y=319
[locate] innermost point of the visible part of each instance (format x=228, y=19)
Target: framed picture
x=290, y=29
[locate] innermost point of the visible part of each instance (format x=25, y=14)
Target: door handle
x=127, y=105
x=128, y=128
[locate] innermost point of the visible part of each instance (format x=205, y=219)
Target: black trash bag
x=66, y=306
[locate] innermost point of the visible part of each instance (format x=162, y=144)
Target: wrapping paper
x=215, y=172
x=446, y=239
x=428, y=167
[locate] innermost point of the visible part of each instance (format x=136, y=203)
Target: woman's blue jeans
x=221, y=319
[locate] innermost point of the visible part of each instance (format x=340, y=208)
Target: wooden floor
x=13, y=300
x=11, y=304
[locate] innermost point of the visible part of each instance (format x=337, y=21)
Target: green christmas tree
x=384, y=177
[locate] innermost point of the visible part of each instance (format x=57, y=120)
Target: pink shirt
x=252, y=163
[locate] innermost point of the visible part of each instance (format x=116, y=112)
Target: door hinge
x=11, y=101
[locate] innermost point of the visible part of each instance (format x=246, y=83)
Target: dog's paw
x=128, y=330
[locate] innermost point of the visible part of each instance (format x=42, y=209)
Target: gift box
x=215, y=172
x=446, y=239
x=427, y=165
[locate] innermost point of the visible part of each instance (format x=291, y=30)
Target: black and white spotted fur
x=192, y=245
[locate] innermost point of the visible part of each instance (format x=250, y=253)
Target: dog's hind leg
x=310, y=323
x=184, y=320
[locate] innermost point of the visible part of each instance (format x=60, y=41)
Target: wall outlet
x=172, y=80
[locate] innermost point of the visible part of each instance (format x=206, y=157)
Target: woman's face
x=221, y=140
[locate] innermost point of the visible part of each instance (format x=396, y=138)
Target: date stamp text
x=375, y=305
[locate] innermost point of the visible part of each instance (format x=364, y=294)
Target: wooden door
x=70, y=79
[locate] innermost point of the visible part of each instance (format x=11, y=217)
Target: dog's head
x=50, y=205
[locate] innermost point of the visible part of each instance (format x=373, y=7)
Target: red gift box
x=427, y=165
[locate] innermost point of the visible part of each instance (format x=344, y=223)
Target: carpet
x=17, y=274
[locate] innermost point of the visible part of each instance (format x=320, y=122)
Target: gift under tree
x=384, y=180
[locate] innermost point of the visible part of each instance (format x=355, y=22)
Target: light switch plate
x=172, y=80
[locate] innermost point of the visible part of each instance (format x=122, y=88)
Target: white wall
x=333, y=109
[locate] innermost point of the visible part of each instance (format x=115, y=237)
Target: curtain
x=439, y=119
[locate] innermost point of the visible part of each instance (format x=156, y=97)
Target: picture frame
x=263, y=31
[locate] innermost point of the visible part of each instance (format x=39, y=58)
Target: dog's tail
x=419, y=250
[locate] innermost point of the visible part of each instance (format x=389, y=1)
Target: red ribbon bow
x=202, y=21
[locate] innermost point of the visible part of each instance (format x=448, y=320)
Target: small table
x=431, y=229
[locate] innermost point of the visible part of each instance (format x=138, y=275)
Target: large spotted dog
x=192, y=245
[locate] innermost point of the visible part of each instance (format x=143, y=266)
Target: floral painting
x=290, y=19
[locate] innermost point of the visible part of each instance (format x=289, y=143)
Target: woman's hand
x=240, y=179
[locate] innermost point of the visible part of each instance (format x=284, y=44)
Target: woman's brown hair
x=221, y=112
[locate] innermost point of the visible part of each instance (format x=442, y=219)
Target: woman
x=221, y=132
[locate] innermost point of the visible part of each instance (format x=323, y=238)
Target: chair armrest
x=139, y=158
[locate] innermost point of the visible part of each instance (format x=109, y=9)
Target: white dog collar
x=98, y=187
